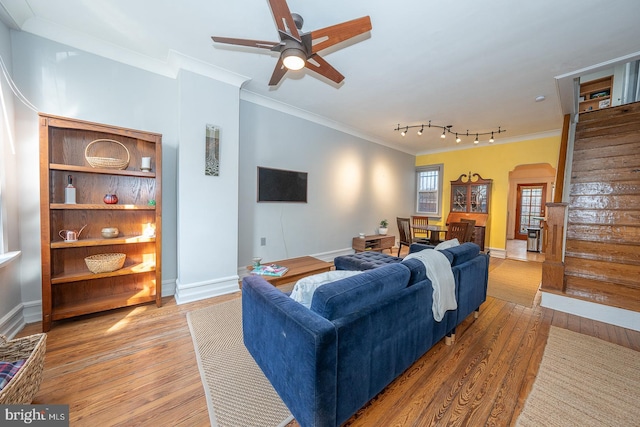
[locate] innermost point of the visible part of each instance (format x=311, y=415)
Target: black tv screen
x=277, y=185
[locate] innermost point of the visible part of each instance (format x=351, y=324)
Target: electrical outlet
x=263, y=241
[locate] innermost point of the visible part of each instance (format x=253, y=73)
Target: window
x=429, y=190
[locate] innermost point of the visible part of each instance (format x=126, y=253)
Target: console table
x=376, y=242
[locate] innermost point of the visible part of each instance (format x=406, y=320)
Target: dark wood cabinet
x=470, y=199
x=69, y=288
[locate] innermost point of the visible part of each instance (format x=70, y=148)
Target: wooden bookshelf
x=69, y=289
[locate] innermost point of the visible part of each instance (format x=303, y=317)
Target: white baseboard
x=12, y=322
x=498, y=253
x=590, y=310
x=168, y=287
x=190, y=292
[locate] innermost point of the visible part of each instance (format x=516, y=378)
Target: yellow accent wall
x=492, y=162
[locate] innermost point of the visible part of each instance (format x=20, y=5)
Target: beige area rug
x=584, y=381
x=238, y=393
x=515, y=281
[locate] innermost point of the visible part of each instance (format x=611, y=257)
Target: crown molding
x=170, y=67
x=263, y=101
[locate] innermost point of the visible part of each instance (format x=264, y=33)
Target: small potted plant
x=384, y=227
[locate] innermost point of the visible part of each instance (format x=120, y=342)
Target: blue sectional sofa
x=359, y=334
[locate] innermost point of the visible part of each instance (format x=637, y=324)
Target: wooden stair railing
x=553, y=279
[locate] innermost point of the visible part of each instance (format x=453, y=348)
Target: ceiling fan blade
x=319, y=65
x=327, y=37
x=278, y=73
x=244, y=42
x=284, y=20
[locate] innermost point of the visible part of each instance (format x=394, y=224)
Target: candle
x=146, y=163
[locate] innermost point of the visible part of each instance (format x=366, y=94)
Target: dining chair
x=457, y=230
x=471, y=229
x=406, y=239
x=420, y=221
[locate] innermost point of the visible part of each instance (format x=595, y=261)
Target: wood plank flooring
x=137, y=366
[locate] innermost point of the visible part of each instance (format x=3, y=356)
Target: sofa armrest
x=295, y=348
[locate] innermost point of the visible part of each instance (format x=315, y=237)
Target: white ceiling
x=472, y=64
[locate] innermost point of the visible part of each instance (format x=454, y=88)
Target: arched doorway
x=530, y=188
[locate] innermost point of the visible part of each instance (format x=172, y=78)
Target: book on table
x=270, y=270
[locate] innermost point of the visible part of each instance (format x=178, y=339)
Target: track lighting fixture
x=447, y=129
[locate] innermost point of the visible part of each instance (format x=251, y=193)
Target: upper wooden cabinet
x=470, y=196
x=596, y=94
x=470, y=201
x=69, y=288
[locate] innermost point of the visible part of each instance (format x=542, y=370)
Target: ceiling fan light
x=293, y=59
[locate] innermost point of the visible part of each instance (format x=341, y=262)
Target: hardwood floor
x=137, y=366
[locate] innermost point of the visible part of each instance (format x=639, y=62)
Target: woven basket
x=94, y=148
x=25, y=384
x=105, y=263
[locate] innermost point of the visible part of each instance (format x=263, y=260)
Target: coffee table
x=298, y=268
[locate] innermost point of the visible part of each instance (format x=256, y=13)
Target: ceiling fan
x=298, y=49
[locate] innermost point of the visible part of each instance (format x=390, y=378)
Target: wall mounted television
x=278, y=185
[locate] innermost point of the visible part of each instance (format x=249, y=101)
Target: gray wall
x=352, y=185
x=66, y=81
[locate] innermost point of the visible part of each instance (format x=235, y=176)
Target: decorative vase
x=110, y=199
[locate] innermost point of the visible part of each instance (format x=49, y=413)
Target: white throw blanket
x=305, y=287
x=444, y=286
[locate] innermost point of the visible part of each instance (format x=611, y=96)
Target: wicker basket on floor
x=25, y=384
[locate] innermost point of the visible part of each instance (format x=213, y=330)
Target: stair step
x=603, y=251
x=607, y=293
x=606, y=271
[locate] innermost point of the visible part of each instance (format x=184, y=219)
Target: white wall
x=10, y=292
x=207, y=205
x=352, y=185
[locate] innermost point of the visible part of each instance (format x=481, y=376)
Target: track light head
x=421, y=130
x=475, y=141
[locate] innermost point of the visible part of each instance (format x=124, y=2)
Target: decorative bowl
x=110, y=232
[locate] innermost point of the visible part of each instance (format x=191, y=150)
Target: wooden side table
x=376, y=242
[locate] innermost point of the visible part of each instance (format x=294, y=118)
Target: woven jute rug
x=238, y=393
x=515, y=281
x=584, y=381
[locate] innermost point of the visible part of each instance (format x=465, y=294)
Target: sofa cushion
x=364, y=261
x=463, y=253
x=348, y=295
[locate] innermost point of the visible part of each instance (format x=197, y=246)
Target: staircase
x=602, y=253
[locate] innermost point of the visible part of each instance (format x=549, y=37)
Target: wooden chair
x=404, y=228
x=457, y=230
x=422, y=221
x=471, y=229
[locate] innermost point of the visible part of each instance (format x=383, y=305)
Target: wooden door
x=530, y=207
